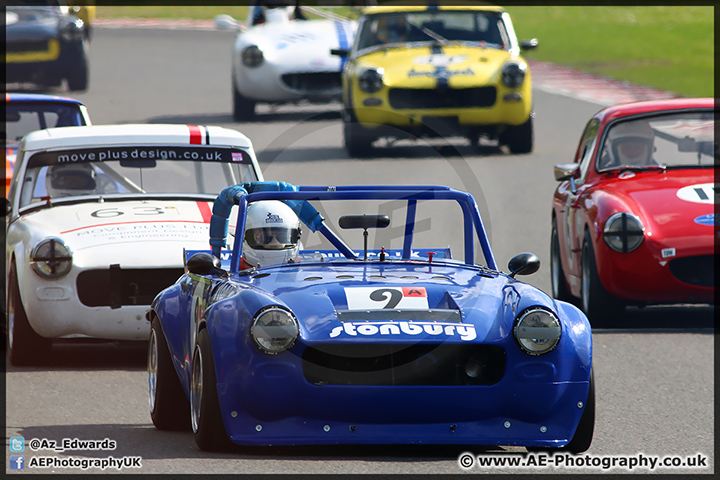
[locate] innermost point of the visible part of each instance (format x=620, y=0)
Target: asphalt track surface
x=654, y=377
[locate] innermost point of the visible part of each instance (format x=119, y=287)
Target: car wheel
x=557, y=276
x=358, y=142
x=169, y=407
x=79, y=71
x=519, y=139
x=601, y=308
x=243, y=107
x=24, y=346
x=206, y=419
x=584, y=434
x=474, y=139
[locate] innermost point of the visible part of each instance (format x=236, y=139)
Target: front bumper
x=644, y=276
x=275, y=83
x=509, y=413
x=469, y=107
x=42, y=62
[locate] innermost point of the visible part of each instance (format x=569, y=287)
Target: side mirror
x=340, y=52
x=566, y=171
x=204, y=263
x=523, y=264
x=529, y=44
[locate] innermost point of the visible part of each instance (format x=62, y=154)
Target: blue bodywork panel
x=394, y=351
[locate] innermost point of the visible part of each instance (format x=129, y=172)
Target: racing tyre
x=584, y=434
x=243, y=107
x=24, y=346
x=79, y=72
x=207, y=422
x=358, y=142
x=519, y=139
x=557, y=276
x=601, y=308
x=169, y=407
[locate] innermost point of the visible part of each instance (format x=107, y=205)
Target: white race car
x=97, y=219
x=280, y=58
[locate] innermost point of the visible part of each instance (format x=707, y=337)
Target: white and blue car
x=278, y=58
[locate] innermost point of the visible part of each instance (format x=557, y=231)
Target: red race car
x=633, y=217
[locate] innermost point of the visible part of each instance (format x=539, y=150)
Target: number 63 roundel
x=377, y=298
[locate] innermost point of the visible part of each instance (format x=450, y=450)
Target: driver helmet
x=392, y=28
x=272, y=234
x=65, y=180
x=631, y=143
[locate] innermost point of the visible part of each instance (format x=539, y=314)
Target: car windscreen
x=438, y=228
x=672, y=140
x=156, y=169
x=428, y=26
x=23, y=118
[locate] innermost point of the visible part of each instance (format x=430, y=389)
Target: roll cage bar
x=298, y=197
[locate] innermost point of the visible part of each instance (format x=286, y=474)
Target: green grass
x=666, y=47
x=669, y=47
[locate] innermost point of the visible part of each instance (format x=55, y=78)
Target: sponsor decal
x=378, y=298
x=668, y=252
x=441, y=73
x=440, y=60
x=708, y=220
x=700, y=193
x=273, y=218
x=445, y=329
x=140, y=154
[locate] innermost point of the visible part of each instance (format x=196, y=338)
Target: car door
x=571, y=215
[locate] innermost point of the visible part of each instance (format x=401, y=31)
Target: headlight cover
x=623, y=232
x=513, y=74
x=537, y=331
x=51, y=258
x=371, y=80
x=252, y=56
x=274, y=330
x=73, y=31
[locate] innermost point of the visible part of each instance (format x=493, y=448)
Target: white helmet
x=272, y=234
x=65, y=180
x=631, y=143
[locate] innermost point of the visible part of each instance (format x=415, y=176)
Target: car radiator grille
x=115, y=287
x=698, y=270
x=403, y=364
x=313, y=82
x=404, y=98
x=24, y=47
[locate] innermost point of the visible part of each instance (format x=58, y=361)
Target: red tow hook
x=430, y=255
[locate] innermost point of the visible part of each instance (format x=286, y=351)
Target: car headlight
x=252, y=56
x=537, y=331
x=371, y=80
x=623, y=232
x=513, y=74
x=73, y=31
x=274, y=330
x=51, y=258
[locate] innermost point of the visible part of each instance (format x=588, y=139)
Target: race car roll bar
x=297, y=197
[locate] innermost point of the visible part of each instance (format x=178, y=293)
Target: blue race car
x=367, y=345
x=27, y=112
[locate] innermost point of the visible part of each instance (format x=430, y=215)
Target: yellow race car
x=436, y=71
